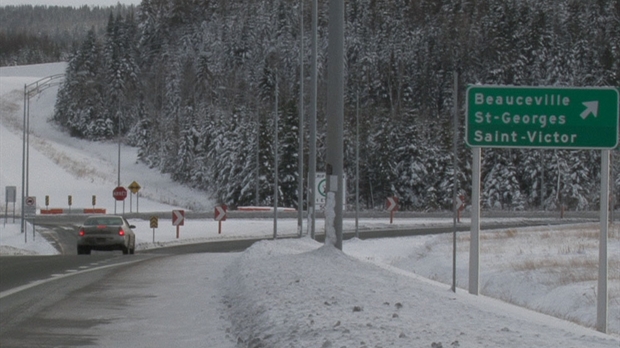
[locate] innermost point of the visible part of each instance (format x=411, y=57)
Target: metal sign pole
x=474, y=246
x=456, y=211
x=603, y=297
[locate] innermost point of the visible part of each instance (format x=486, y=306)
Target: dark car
x=107, y=232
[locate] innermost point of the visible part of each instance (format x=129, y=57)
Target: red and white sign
x=178, y=217
x=119, y=193
x=392, y=204
x=220, y=213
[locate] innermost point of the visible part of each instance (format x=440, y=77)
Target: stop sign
x=119, y=193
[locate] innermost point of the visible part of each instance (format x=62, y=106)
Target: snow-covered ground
x=298, y=293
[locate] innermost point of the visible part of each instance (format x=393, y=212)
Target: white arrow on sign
x=591, y=108
x=220, y=213
x=178, y=217
x=392, y=203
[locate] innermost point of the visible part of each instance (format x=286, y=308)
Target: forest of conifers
x=192, y=84
x=42, y=34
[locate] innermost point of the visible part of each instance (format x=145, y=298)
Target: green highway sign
x=542, y=117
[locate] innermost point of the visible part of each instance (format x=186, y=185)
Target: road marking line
x=59, y=276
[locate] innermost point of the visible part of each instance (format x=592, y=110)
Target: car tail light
x=121, y=232
x=82, y=232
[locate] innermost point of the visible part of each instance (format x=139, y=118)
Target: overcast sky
x=75, y=3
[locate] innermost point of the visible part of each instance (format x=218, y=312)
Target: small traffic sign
x=154, y=222
x=134, y=187
x=542, y=117
x=31, y=205
x=178, y=217
x=220, y=213
x=119, y=193
x=460, y=202
x=320, y=193
x=392, y=204
x=11, y=194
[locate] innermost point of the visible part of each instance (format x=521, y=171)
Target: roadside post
x=178, y=219
x=30, y=209
x=119, y=194
x=392, y=206
x=460, y=206
x=220, y=215
x=10, y=197
x=134, y=187
x=154, y=224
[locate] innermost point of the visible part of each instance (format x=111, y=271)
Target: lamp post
x=31, y=90
x=276, y=164
x=312, y=126
x=300, y=191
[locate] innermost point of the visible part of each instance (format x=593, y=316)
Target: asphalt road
x=27, y=311
x=33, y=287
x=62, y=233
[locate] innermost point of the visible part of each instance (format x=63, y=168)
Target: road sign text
x=542, y=117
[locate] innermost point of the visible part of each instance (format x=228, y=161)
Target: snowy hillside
x=92, y=168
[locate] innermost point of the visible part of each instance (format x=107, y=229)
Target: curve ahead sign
x=542, y=117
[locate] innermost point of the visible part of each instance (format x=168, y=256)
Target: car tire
x=83, y=251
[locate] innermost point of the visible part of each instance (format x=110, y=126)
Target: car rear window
x=109, y=221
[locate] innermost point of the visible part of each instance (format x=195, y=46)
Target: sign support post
x=134, y=187
x=154, y=223
x=10, y=197
x=392, y=205
x=474, y=245
x=220, y=215
x=178, y=219
x=602, y=305
x=119, y=194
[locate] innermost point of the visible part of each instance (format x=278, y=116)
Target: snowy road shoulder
x=304, y=294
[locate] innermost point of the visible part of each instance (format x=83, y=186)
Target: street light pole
x=335, y=125
x=312, y=127
x=300, y=190
x=23, y=223
x=275, y=179
x=29, y=91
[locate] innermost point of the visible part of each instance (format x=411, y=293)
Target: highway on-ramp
x=65, y=300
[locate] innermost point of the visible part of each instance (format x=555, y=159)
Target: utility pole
x=335, y=116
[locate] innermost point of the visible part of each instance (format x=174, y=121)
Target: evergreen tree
x=183, y=77
x=79, y=106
